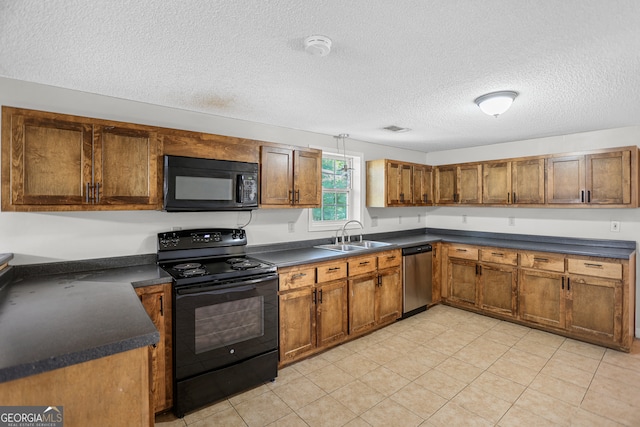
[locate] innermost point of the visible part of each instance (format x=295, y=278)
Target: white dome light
x=496, y=103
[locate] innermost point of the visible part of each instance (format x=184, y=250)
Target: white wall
x=582, y=223
x=61, y=236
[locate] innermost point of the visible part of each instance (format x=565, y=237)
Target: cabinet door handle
x=425, y=197
x=314, y=296
x=379, y=280
x=514, y=197
x=478, y=270
x=290, y=196
x=563, y=283
x=508, y=198
x=582, y=196
x=589, y=196
x=392, y=257
x=97, y=189
x=568, y=284
x=297, y=196
x=461, y=250
x=498, y=254
x=535, y=258
x=333, y=269
x=364, y=263
x=320, y=296
x=86, y=194
x=161, y=306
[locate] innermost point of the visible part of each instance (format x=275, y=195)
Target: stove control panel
x=202, y=238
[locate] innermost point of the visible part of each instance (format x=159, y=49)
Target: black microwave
x=193, y=184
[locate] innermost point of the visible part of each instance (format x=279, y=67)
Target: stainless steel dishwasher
x=416, y=279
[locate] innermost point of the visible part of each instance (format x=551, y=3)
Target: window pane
x=341, y=212
x=329, y=213
x=327, y=180
x=316, y=214
x=328, y=198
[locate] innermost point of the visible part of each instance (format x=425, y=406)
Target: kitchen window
x=340, y=192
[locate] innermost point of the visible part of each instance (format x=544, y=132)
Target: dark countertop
x=52, y=321
x=619, y=249
x=5, y=258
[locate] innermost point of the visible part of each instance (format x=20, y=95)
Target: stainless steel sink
x=353, y=246
x=369, y=244
x=341, y=247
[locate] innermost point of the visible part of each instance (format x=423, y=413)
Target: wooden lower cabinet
x=313, y=316
x=156, y=300
x=324, y=304
x=585, y=298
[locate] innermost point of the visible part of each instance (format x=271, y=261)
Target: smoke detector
x=317, y=45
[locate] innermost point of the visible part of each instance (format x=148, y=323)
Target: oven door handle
x=239, y=286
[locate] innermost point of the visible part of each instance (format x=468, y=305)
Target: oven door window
x=228, y=323
x=221, y=326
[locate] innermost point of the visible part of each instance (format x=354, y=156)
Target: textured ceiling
x=416, y=64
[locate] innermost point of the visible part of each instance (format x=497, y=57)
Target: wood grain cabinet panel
x=540, y=298
x=422, y=185
x=156, y=300
x=362, y=303
x=396, y=183
x=290, y=178
x=58, y=162
x=594, y=308
x=297, y=323
x=513, y=182
x=498, y=289
x=459, y=184
x=445, y=184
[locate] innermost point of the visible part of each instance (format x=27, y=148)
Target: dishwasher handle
x=416, y=250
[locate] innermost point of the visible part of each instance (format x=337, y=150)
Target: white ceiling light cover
x=496, y=103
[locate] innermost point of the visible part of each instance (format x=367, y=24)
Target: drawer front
x=362, y=265
x=333, y=271
x=389, y=259
x=499, y=256
x=609, y=270
x=542, y=261
x=297, y=278
x=464, y=252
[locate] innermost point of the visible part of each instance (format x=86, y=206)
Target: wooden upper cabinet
x=399, y=184
x=58, y=162
x=290, y=178
x=602, y=178
x=527, y=181
x=513, y=182
x=125, y=166
x=422, y=186
x=459, y=184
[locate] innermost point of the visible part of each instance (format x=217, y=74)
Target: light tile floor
x=443, y=367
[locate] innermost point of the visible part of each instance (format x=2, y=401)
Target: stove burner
x=245, y=265
x=235, y=260
x=188, y=266
x=193, y=272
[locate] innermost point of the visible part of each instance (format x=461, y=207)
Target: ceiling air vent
x=396, y=129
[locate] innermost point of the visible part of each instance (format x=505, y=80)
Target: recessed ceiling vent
x=396, y=129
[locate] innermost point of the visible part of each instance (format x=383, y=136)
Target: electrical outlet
x=512, y=221
x=464, y=219
x=374, y=221
x=615, y=226
x=292, y=226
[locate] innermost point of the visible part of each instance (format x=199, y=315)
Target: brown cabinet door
x=406, y=185
x=496, y=183
x=393, y=183
x=445, y=184
x=332, y=320
x=594, y=308
x=362, y=295
x=462, y=282
x=422, y=192
x=307, y=178
x=156, y=301
x=297, y=323
x=389, y=296
x=498, y=289
x=276, y=176
x=50, y=161
x=566, y=180
x=125, y=166
x=609, y=178
x=527, y=181
x=470, y=184
x=540, y=298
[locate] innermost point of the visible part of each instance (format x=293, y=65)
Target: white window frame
x=355, y=194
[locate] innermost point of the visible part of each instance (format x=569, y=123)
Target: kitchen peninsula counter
x=53, y=321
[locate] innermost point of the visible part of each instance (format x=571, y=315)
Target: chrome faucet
x=344, y=227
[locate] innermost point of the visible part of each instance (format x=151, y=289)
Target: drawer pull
x=540, y=259
x=498, y=254
x=333, y=268
x=590, y=265
x=364, y=263
x=391, y=257
x=298, y=276
x=461, y=250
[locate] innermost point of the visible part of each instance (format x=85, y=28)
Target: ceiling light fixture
x=496, y=103
x=317, y=45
